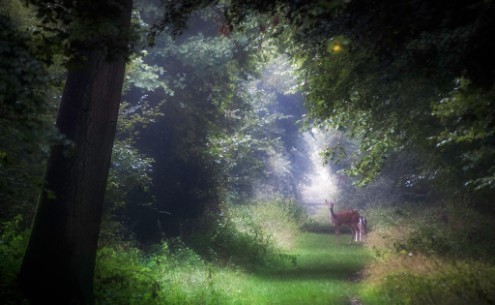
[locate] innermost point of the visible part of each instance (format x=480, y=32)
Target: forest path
x=325, y=273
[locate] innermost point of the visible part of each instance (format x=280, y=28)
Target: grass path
x=325, y=273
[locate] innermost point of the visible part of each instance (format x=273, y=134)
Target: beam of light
x=319, y=183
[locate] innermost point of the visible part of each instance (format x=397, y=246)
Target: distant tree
x=213, y=138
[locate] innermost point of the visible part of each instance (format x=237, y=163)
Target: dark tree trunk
x=59, y=262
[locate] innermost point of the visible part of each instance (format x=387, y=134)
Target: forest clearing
x=247, y=152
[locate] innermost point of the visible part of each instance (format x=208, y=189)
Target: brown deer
x=349, y=218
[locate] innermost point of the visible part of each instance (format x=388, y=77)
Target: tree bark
x=58, y=265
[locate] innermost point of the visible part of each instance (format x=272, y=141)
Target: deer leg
x=356, y=233
x=353, y=234
x=361, y=230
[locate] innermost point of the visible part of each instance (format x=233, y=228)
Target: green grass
x=292, y=267
x=325, y=273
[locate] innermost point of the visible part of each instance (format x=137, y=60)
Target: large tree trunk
x=59, y=262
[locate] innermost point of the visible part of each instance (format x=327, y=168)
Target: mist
x=166, y=152
x=319, y=181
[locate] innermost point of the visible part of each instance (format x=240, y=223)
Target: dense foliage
x=26, y=112
x=409, y=76
x=209, y=123
x=201, y=108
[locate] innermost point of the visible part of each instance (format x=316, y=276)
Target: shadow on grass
x=319, y=257
x=333, y=273
x=322, y=228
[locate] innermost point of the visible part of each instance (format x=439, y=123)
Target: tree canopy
x=404, y=76
x=203, y=120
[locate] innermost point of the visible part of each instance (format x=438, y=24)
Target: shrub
x=435, y=255
x=463, y=234
x=251, y=235
x=13, y=240
x=169, y=274
x=124, y=276
x=458, y=284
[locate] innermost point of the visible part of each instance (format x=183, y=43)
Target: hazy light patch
x=279, y=172
x=319, y=183
x=278, y=164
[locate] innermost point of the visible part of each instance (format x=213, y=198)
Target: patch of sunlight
x=323, y=275
x=319, y=182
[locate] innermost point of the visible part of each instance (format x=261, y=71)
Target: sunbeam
x=319, y=182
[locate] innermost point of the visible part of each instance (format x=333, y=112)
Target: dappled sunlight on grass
x=282, y=230
x=312, y=268
x=324, y=274
x=321, y=251
x=252, y=290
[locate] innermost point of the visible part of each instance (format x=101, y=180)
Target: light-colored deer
x=348, y=218
x=362, y=223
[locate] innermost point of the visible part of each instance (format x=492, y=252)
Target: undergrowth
x=189, y=270
x=126, y=276
x=430, y=255
x=13, y=240
x=186, y=270
x=249, y=236
x=318, y=222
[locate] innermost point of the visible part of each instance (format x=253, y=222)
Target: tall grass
x=129, y=276
x=250, y=236
x=295, y=268
x=202, y=267
x=325, y=273
x=430, y=255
